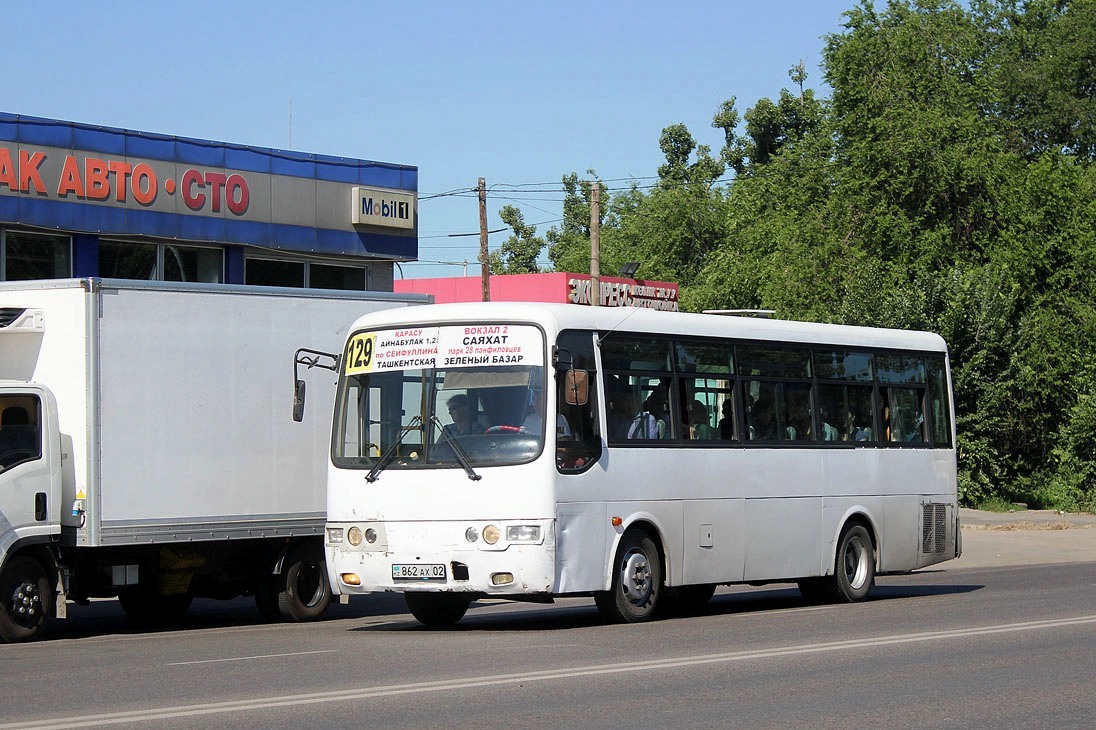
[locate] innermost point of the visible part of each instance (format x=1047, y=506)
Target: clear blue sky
x=516, y=92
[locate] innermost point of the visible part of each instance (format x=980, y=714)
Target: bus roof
x=555, y=317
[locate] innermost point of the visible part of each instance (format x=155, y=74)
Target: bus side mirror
x=576, y=388
x=298, y=401
x=310, y=359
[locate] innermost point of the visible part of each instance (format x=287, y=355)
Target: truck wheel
x=143, y=605
x=303, y=591
x=26, y=600
x=637, y=581
x=266, y=599
x=438, y=610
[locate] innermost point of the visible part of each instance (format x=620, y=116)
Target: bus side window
x=578, y=450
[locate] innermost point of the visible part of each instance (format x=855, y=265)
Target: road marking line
x=449, y=685
x=246, y=658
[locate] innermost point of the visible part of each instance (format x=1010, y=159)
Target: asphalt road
x=1010, y=646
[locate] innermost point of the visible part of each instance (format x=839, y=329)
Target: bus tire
x=302, y=588
x=26, y=600
x=637, y=581
x=854, y=567
x=437, y=610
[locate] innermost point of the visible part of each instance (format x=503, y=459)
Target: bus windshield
x=436, y=397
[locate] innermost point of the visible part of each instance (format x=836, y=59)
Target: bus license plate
x=418, y=571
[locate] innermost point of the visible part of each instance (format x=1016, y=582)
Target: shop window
x=160, y=262
x=26, y=256
x=124, y=260
x=326, y=276
x=271, y=272
x=192, y=263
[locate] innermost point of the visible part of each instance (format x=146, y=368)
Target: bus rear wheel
x=637, y=581
x=437, y=610
x=854, y=568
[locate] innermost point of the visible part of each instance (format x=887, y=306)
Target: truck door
x=28, y=490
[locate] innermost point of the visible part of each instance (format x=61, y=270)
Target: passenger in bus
x=829, y=431
x=464, y=422
x=641, y=424
x=617, y=415
x=535, y=417
x=657, y=406
x=700, y=426
x=726, y=423
x=858, y=431
x=762, y=422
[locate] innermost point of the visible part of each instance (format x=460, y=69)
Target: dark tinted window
x=899, y=369
x=843, y=365
x=624, y=352
x=774, y=362
x=939, y=404
x=705, y=357
x=268, y=272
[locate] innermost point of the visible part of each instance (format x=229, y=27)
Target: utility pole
x=595, y=244
x=485, y=275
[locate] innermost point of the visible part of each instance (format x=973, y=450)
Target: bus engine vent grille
x=934, y=528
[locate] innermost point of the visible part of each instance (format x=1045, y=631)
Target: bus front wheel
x=637, y=581
x=437, y=610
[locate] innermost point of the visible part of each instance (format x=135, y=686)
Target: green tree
x=686, y=161
x=519, y=253
x=569, y=244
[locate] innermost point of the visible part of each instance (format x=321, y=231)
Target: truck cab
x=30, y=497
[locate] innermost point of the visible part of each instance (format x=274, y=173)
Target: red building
x=551, y=287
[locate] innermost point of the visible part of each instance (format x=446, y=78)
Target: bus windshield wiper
x=387, y=455
x=462, y=455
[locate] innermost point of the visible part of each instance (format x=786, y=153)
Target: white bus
x=527, y=451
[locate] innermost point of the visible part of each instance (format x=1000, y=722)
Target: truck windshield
x=456, y=396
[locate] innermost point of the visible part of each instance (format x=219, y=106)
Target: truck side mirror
x=576, y=388
x=298, y=401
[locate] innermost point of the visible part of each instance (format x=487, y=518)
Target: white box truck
x=147, y=450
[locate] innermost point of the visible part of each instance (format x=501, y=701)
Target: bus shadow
x=572, y=614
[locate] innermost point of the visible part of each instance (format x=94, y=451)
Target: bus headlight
x=370, y=535
x=354, y=536
x=334, y=535
x=523, y=533
x=491, y=534
x=471, y=534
